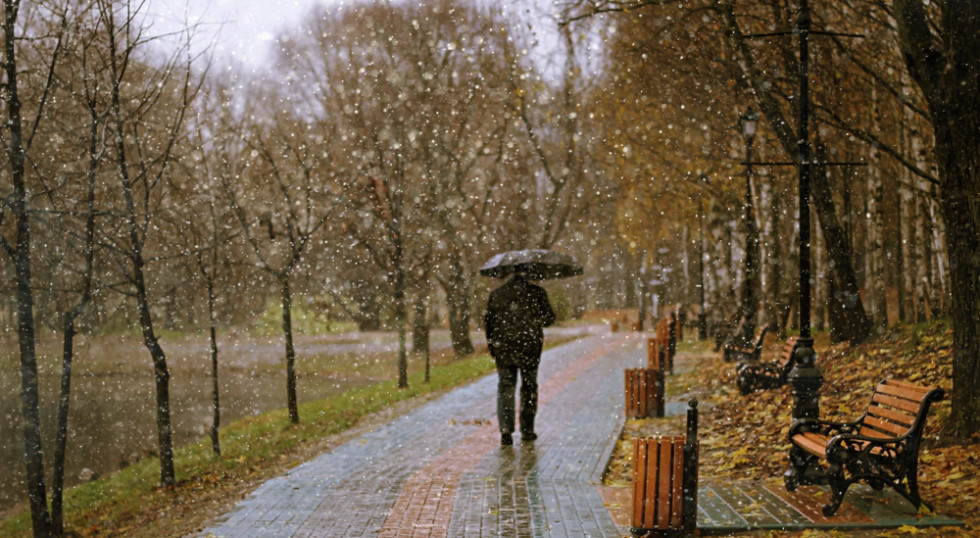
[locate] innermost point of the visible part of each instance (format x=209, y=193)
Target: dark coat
x=516, y=314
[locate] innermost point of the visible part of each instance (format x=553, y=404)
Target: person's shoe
x=528, y=436
x=506, y=439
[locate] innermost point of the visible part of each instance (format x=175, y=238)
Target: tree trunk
x=420, y=330
x=20, y=251
x=33, y=453
x=161, y=375
x=876, y=274
x=848, y=319
x=420, y=324
x=401, y=312
x=61, y=435
x=900, y=263
x=774, y=256
x=961, y=196
x=458, y=299
x=949, y=78
x=286, y=298
x=213, y=339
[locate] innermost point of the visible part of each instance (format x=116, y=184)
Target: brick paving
x=440, y=470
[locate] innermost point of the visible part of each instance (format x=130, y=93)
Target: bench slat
x=639, y=463
x=905, y=419
x=813, y=443
x=907, y=385
x=787, y=353
x=663, y=488
x=888, y=429
x=905, y=393
x=677, y=490
x=905, y=405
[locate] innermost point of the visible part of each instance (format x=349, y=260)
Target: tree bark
x=943, y=57
x=286, y=298
x=458, y=299
x=213, y=339
x=20, y=251
x=776, y=302
x=420, y=324
x=848, y=320
x=420, y=329
x=161, y=374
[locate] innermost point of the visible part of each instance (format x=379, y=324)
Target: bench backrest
x=760, y=335
x=898, y=409
x=786, y=355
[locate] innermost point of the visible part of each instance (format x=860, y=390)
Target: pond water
x=112, y=419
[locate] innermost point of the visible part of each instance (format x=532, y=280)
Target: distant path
x=440, y=470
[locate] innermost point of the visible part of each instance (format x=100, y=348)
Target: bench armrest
x=828, y=428
x=840, y=446
x=754, y=366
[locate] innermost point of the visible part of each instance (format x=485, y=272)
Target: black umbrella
x=539, y=264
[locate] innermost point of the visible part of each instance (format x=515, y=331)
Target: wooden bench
x=728, y=332
x=737, y=350
x=881, y=447
x=751, y=376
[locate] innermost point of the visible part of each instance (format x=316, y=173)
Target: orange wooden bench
x=751, y=376
x=881, y=447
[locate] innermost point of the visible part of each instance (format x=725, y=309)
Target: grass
x=304, y=321
x=131, y=502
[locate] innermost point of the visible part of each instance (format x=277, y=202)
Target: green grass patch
x=131, y=498
x=304, y=321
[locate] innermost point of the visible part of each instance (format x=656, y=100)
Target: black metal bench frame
x=751, y=376
x=880, y=448
x=746, y=351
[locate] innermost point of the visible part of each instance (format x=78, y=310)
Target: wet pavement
x=440, y=471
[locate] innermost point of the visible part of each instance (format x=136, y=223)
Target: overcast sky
x=241, y=29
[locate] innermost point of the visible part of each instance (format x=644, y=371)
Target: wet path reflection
x=441, y=471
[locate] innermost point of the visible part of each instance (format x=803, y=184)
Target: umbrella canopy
x=539, y=264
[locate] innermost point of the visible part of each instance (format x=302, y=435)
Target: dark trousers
x=507, y=374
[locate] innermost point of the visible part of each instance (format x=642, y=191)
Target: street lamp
x=702, y=315
x=805, y=378
x=750, y=303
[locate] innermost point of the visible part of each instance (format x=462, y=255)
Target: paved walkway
x=440, y=470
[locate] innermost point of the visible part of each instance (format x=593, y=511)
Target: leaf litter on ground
x=746, y=437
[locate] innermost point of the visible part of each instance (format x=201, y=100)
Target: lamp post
x=750, y=302
x=805, y=378
x=702, y=315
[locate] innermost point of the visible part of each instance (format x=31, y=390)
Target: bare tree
x=291, y=198
x=18, y=135
x=206, y=241
x=422, y=114
x=147, y=108
x=78, y=213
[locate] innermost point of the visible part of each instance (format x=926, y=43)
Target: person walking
x=516, y=315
